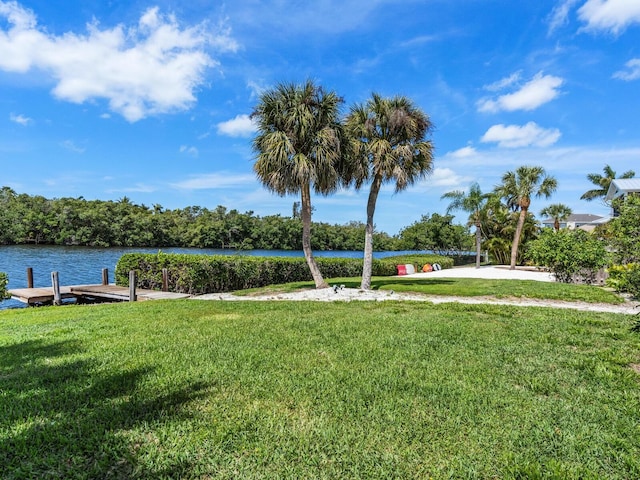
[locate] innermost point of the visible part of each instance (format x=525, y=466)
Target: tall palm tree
x=517, y=188
x=558, y=211
x=388, y=137
x=472, y=203
x=298, y=147
x=603, y=182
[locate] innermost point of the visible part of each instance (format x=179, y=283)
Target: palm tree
x=299, y=146
x=388, y=144
x=603, y=182
x=558, y=211
x=472, y=203
x=517, y=188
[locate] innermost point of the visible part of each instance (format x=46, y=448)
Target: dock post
x=133, y=280
x=29, y=277
x=105, y=276
x=55, y=282
x=165, y=280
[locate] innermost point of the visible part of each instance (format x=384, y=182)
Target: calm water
x=83, y=265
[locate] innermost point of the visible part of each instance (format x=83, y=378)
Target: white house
x=584, y=221
x=621, y=187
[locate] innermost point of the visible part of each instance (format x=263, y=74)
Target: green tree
x=298, y=146
x=571, y=255
x=435, y=232
x=388, y=137
x=517, y=188
x=558, y=211
x=471, y=203
x=602, y=182
x=624, y=232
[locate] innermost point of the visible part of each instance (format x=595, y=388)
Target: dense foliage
x=436, y=232
x=571, y=255
x=76, y=221
x=624, y=231
x=98, y=223
x=4, y=280
x=624, y=236
x=196, y=274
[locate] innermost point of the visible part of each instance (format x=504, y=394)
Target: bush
x=4, y=280
x=624, y=231
x=198, y=274
x=625, y=278
x=571, y=255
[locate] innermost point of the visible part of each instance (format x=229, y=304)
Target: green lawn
x=467, y=287
x=195, y=389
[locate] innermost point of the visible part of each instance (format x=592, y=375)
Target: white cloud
x=20, y=119
x=256, y=88
x=193, y=151
x=514, y=136
x=150, y=68
x=72, y=147
x=538, y=91
x=445, y=177
x=613, y=16
x=560, y=14
x=504, y=82
x=419, y=41
x=240, y=126
x=631, y=73
x=463, y=152
x=215, y=181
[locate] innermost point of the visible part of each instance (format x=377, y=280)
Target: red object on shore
x=402, y=269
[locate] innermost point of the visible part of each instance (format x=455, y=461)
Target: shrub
x=624, y=231
x=625, y=278
x=571, y=255
x=4, y=280
x=197, y=274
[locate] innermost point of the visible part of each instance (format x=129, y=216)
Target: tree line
x=27, y=219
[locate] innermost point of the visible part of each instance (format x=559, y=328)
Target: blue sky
x=150, y=99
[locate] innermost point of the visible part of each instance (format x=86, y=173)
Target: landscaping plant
x=571, y=255
x=624, y=236
x=4, y=280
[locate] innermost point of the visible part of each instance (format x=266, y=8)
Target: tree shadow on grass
x=63, y=418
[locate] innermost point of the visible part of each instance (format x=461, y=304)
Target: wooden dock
x=88, y=294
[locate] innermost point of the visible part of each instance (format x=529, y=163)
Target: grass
x=466, y=287
x=195, y=389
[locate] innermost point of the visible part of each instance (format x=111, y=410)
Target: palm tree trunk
x=367, y=265
x=478, y=244
x=306, y=237
x=516, y=238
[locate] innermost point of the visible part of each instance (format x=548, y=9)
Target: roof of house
x=579, y=218
x=620, y=186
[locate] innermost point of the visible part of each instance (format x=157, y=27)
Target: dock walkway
x=88, y=293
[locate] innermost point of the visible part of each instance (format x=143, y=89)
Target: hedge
x=198, y=274
x=4, y=280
